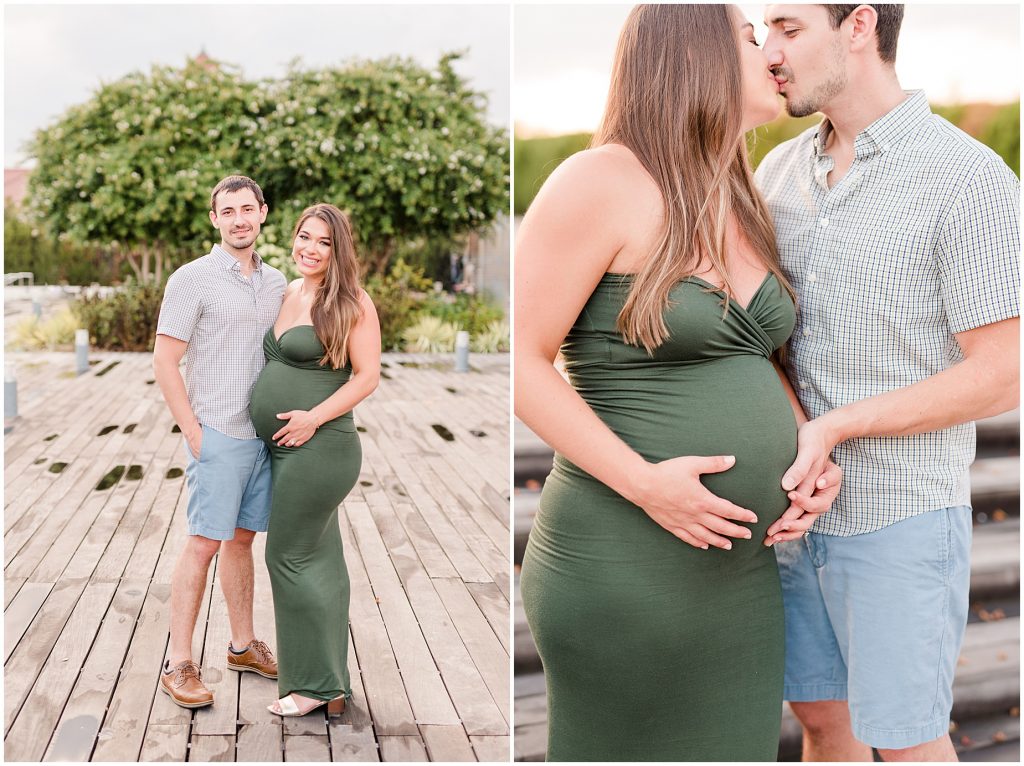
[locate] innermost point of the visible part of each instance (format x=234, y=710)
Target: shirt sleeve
x=978, y=250
x=181, y=307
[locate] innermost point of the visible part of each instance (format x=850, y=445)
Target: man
x=215, y=313
x=900, y=234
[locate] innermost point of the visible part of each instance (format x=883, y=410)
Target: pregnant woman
x=323, y=358
x=649, y=260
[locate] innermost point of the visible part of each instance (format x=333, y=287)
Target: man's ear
x=263, y=213
x=863, y=21
x=213, y=219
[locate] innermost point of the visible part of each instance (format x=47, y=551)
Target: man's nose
x=773, y=53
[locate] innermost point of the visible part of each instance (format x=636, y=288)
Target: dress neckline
x=715, y=288
x=277, y=338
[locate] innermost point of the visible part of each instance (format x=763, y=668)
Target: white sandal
x=288, y=709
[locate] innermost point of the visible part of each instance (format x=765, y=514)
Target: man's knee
x=243, y=538
x=822, y=717
x=203, y=547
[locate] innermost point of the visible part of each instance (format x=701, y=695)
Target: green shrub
x=492, y=340
x=472, y=313
x=27, y=247
x=536, y=158
x=429, y=335
x=56, y=333
x=1002, y=134
x=398, y=296
x=123, y=321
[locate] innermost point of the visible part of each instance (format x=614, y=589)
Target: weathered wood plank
x=260, y=743
x=27, y=739
x=26, y=662
x=462, y=680
x=12, y=586
x=130, y=705
x=306, y=748
x=352, y=744
x=402, y=748
x=447, y=743
x=165, y=742
x=80, y=721
x=488, y=654
x=385, y=693
x=22, y=610
x=215, y=748
x=424, y=687
x=490, y=748
x=495, y=608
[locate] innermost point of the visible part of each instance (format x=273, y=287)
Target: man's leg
x=236, y=581
x=827, y=732
x=815, y=667
x=937, y=750
x=188, y=583
x=898, y=598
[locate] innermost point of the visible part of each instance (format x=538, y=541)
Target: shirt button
x=802, y=385
x=807, y=332
x=823, y=222
x=812, y=277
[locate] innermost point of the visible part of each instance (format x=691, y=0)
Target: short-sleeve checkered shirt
x=918, y=241
x=223, y=317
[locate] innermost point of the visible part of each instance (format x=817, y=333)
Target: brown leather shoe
x=184, y=684
x=257, y=657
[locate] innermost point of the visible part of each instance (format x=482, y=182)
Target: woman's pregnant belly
x=281, y=388
x=730, y=406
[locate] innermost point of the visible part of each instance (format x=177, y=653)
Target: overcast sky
x=563, y=56
x=56, y=56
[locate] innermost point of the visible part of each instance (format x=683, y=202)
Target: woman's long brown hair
x=676, y=102
x=336, y=307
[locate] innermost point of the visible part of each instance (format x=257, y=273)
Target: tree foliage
x=404, y=149
x=132, y=167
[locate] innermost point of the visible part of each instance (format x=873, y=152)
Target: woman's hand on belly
x=671, y=493
x=299, y=429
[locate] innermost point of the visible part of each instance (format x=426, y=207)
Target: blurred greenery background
x=995, y=125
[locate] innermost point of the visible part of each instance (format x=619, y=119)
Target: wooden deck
x=87, y=576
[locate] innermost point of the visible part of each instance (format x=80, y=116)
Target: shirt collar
x=884, y=132
x=228, y=261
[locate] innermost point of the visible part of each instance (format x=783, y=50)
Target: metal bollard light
x=10, y=393
x=81, y=351
x=462, y=351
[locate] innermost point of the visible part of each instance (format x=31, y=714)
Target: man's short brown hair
x=234, y=183
x=890, y=17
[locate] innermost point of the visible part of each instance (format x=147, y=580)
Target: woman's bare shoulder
x=607, y=177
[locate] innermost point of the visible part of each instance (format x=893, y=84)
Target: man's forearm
x=172, y=386
x=969, y=390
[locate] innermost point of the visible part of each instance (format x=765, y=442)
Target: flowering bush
x=404, y=149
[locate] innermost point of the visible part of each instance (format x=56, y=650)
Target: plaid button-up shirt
x=223, y=317
x=918, y=241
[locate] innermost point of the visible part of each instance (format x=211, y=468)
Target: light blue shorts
x=878, y=619
x=228, y=487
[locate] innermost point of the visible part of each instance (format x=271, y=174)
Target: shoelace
x=262, y=650
x=184, y=671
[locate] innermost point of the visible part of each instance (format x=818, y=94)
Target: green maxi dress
x=304, y=551
x=654, y=650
